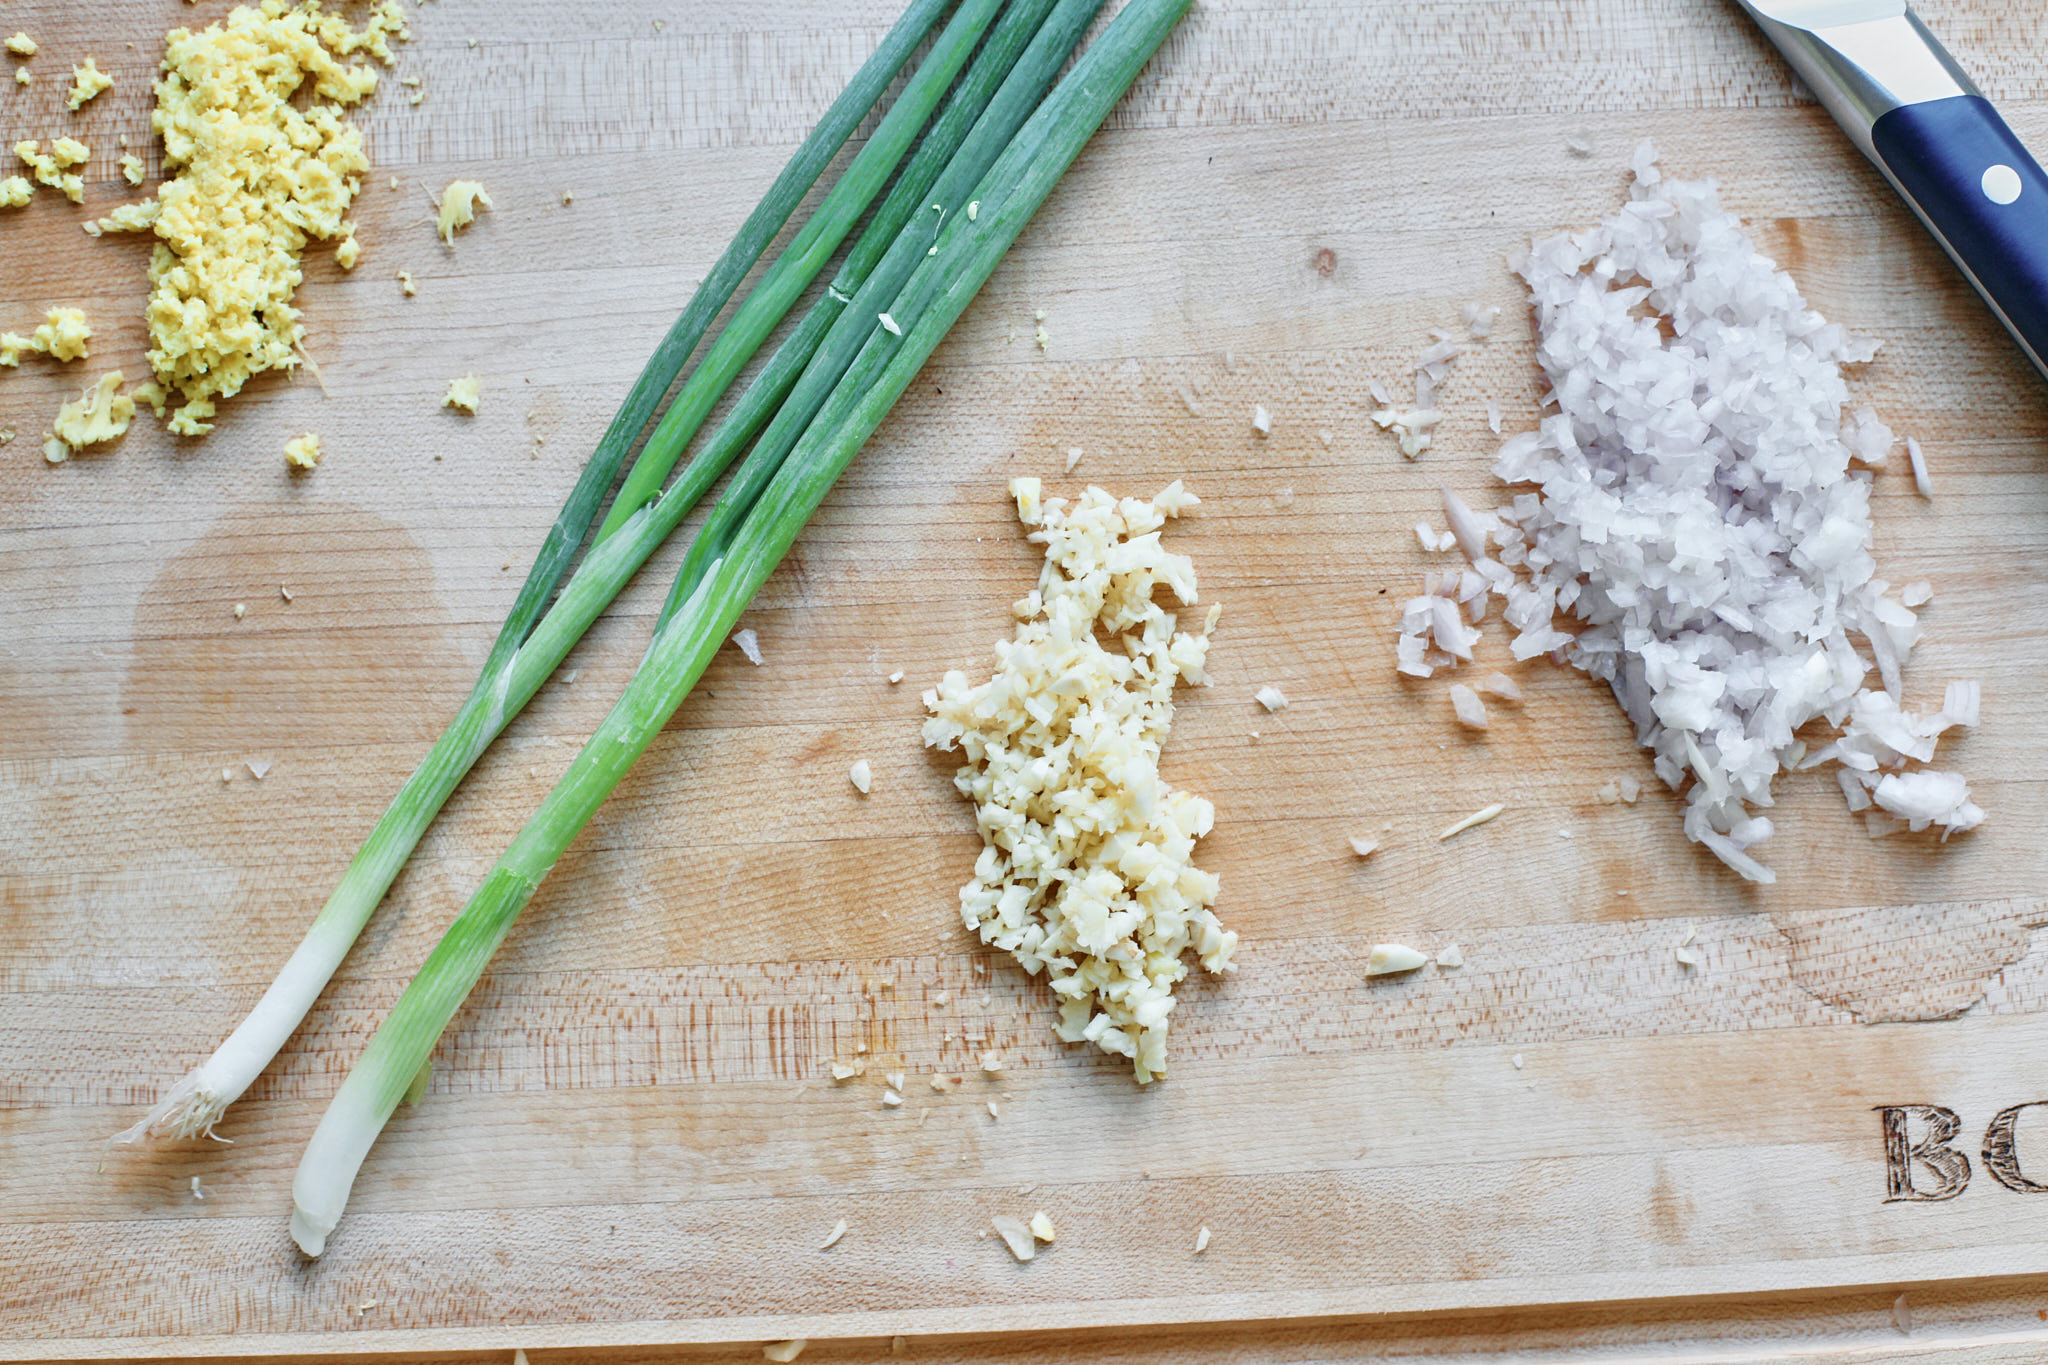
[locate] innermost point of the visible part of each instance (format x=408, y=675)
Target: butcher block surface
x=631, y=1136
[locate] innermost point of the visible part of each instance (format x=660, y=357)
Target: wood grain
x=630, y=1142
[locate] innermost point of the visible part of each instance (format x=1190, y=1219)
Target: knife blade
x=1911, y=109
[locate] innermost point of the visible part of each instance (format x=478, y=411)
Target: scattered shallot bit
x=832, y=1237
x=1517, y=1060
x=1016, y=1235
x=284, y=592
x=890, y=1099
x=227, y=774
x=895, y=1080
x=1628, y=789
x=991, y=1062
x=1451, y=956
x=750, y=645
x=257, y=768
x=896, y=677
x=1364, y=848
x=1687, y=955
x=1042, y=1228
x=1073, y=457
x=241, y=610
x=1917, y=593
x=782, y=1352
x=1902, y=1314
x=1916, y=457
x=1498, y=685
x=942, y=1084
x=992, y=1111
x=1262, y=421
x=862, y=776
x=846, y=1071
x=197, y=1192
x=1391, y=959
x=1270, y=697
x=1201, y=1239
x=1471, y=711
x=1472, y=821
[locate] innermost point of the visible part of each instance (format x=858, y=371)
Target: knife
x=1922, y=122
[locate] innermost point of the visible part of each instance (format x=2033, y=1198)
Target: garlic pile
x=1087, y=867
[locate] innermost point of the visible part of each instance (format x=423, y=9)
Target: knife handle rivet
x=2001, y=184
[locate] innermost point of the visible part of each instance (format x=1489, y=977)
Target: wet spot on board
x=362, y=653
x=1898, y=963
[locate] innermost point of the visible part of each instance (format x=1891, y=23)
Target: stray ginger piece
x=62, y=337
x=15, y=191
x=463, y=394
x=132, y=169
x=86, y=83
x=303, y=452
x=101, y=413
x=458, y=206
x=54, y=167
x=21, y=45
x=405, y=285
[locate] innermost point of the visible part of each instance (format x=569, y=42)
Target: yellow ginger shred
x=303, y=452
x=15, y=191
x=21, y=45
x=101, y=413
x=132, y=217
x=251, y=178
x=458, y=206
x=63, y=334
x=132, y=169
x=86, y=83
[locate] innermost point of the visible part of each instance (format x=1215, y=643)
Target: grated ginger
x=21, y=45
x=463, y=394
x=252, y=177
x=62, y=336
x=302, y=452
x=86, y=83
x=1087, y=866
x=458, y=206
x=15, y=191
x=99, y=414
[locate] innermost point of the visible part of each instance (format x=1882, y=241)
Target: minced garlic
x=1087, y=866
x=24, y=76
x=463, y=394
x=21, y=45
x=303, y=452
x=86, y=82
x=99, y=414
x=458, y=206
x=253, y=176
x=15, y=191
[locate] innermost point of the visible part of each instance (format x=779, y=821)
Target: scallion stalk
x=936, y=293
x=519, y=662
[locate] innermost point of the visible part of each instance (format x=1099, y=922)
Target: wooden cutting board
x=631, y=1136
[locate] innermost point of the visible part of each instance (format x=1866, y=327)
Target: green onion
x=927, y=305
x=537, y=635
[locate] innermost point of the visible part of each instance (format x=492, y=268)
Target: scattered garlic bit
x=6, y=435
x=458, y=206
x=1016, y=1235
x=991, y=1062
x=99, y=414
x=567, y=199
x=1087, y=868
x=21, y=45
x=1917, y=593
x=896, y=677
x=889, y=324
x=463, y=394
x=197, y=1192
x=1475, y=819
x=1042, y=1228
x=1471, y=711
x=1917, y=458
x=862, y=776
x=1687, y=955
x=241, y=610
x=1628, y=788
x=894, y=1078
x=846, y=1071
x=1479, y=320
x=1201, y=1239
x=832, y=1237
x=1073, y=457
x=1493, y=416
x=257, y=768
x=23, y=76
x=227, y=775
x=1270, y=697
x=1902, y=1314
x=944, y=1084
x=750, y=645
x=405, y=285
x=1451, y=956
x=1262, y=421
x=1391, y=959
x=782, y=1352
x=303, y=452
x=1517, y=1060
x=1364, y=848
x=254, y=173
x=86, y=82
x=1415, y=427
x=973, y=209
x=1499, y=685
x=890, y=1099
x=284, y=592
x=1578, y=145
